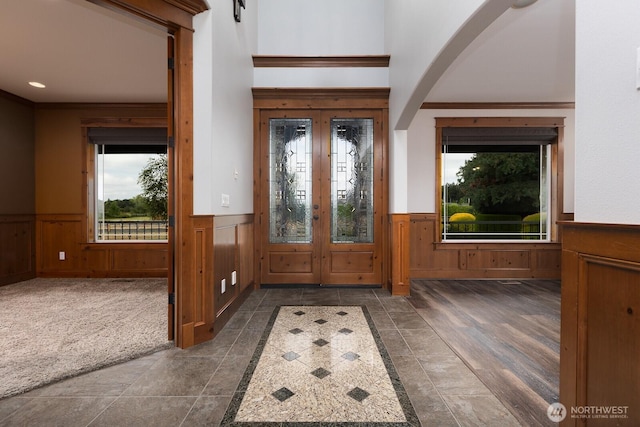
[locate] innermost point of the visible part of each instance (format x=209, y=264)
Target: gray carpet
x=51, y=329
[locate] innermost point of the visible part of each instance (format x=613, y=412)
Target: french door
x=321, y=197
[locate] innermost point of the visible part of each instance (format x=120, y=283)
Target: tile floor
x=194, y=387
x=321, y=364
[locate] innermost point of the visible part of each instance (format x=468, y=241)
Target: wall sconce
x=236, y=9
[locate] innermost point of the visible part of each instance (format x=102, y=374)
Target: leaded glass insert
x=352, y=171
x=290, y=157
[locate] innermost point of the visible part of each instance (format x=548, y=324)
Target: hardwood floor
x=506, y=331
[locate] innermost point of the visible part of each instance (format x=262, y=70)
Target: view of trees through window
x=132, y=196
x=494, y=192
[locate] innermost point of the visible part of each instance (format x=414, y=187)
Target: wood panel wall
x=61, y=221
x=17, y=248
x=233, y=256
x=17, y=189
x=399, y=236
x=430, y=258
x=67, y=233
x=221, y=245
x=600, y=329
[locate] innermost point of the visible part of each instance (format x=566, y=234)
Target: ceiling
x=81, y=52
x=86, y=53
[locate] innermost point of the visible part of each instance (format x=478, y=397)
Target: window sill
x=497, y=244
x=115, y=244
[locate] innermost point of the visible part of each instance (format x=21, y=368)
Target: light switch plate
x=638, y=69
x=225, y=200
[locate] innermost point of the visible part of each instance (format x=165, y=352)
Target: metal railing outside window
x=133, y=230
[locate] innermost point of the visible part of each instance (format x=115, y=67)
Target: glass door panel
x=352, y=180
x=319, y=194
x=290, y=170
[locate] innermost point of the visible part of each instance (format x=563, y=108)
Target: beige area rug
x=51, y=329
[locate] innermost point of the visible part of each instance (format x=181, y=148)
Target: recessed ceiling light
x=37, y=84
x=519, y=4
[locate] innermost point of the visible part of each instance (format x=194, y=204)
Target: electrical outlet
x=233, y=277
x=62, y=255
x=223, y=286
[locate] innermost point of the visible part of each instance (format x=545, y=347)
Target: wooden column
x=600, y=323
x=399, y=253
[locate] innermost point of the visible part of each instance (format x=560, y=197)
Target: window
x=130, y=184
x=496, y=183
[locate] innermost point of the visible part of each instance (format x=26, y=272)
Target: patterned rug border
x=403, y=398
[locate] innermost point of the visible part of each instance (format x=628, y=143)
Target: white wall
x=607, y=112
x=421, y=153
x=224, y=75
x=321, y=77
x=321, y=28
x=423, y=38
x=223, y=108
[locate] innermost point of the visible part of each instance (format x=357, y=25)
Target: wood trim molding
x=320, y=98
x=176, y=16
x=315, y=93
x=158, y=106
x=399, y=248
x=168, y=14
x=116, y=122
x=192, y=6
x=88, y=159
x=264, y=61
x=503, y=122
x=496, y=105
x=557, y=155
x=616, y=241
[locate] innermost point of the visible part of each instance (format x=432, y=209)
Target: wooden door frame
x=318, y=99
x=264, y=183
x=356, y=254
x=176, y=17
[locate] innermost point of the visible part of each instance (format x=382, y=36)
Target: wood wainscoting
x=600, y=330
x=67, y=233
x=398, y=273
x=430, y=258
x=232, y=252
x=222, y=250
x=17, y=248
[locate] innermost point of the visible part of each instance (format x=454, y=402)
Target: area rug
x=51, y=329
x=319, y=366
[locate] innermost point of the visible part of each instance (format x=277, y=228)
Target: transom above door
x=321, y=197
